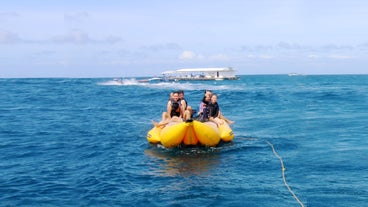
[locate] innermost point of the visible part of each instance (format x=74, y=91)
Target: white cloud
x=341, y=57
x=76, y=17
x=256, y=48
x=219, y=57
x=200, y=57
x=9, y=37
x=265, y=57
x=288, y=46
x=112, y=39
x=333, y=56
x=73, y=37
x=64, y=63
x=8, y=15
x=333, y=47
x=363, y=46
x=79, y=37
x=313, y=56
x=260, y=56
x=166, y=46
x=187, y=55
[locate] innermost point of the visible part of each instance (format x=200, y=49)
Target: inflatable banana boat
x=191, y=132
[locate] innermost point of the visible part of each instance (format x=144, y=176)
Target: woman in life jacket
x=215, y=114
x=203, y=111
x=214, y=110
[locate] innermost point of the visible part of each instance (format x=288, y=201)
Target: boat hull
x=190, y=133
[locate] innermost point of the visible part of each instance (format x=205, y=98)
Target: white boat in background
x=188, y=74
x=294, y=74
x=155, y=79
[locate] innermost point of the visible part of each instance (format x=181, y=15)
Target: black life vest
x=175, y=109
x=205, y=114
x=213, y=109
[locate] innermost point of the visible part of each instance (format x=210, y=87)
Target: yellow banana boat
x=191, y=132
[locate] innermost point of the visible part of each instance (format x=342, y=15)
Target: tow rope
x=283, y=173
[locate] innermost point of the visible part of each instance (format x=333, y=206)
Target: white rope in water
x=283, y=173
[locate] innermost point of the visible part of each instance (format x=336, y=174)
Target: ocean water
x=82, y=142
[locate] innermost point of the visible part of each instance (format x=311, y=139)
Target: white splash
x=121, y=82
x=188, y=86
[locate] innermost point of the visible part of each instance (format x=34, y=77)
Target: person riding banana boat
x=208, y=129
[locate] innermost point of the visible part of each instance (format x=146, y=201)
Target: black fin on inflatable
x=189, y=120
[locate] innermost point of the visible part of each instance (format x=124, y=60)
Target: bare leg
x=224, y=118
x=176, y=119
x=157, y=124
x=217, y=120
x=187, y=115
x=227, y=120
x=165, y=116
x=164, y=120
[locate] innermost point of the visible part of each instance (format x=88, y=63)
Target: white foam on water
x=121, y=82
x=110, y=83
x=188, y=86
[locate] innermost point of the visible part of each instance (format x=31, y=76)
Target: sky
x=121, y=38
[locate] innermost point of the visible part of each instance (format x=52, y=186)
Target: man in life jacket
x=186, y=110
x=173, y=113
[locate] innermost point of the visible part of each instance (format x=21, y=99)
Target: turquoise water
x=82, y=142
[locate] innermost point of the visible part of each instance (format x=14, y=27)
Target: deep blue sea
x=82, y=142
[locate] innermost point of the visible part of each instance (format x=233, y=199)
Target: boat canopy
x=168, y=72
x=226, y=73
x=206, y=70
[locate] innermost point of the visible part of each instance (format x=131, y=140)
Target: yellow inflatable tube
x=190, y=133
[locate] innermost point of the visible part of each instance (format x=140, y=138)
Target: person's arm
x=218, y=111
x=182, y=109
x=200, y=108
x=169, y=108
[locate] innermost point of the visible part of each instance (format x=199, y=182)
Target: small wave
x=183, y=150
x=188, y=86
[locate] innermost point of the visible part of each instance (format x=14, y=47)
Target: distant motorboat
x=191, y=74
x=143, y=81
x=118, y=80
x=155, y=79
x=150, y=80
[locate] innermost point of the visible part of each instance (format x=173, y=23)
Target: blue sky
x=144, y=38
